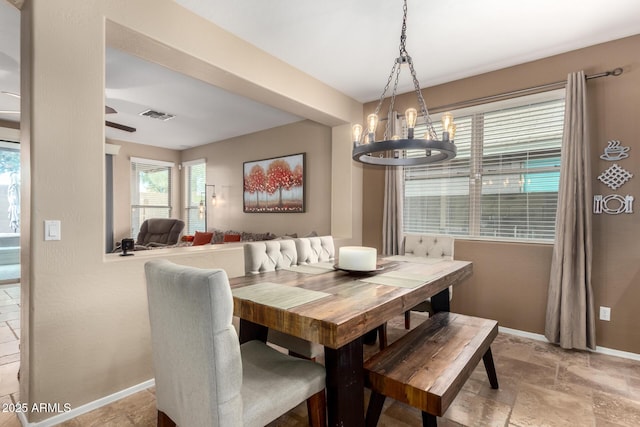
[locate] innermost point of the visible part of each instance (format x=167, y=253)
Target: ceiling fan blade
x=109, y=110
x=119, y=126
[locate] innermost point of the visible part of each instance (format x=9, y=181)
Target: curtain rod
x=534, y=89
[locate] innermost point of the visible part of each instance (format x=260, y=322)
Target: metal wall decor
x=612, y=204
x=614, y=177
x=614, y=151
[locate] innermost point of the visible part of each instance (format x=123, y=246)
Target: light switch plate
x=605, y=313
x=52, y=230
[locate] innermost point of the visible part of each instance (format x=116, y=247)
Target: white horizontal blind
x=521, y=171
x=195, y=174
x=503, y=182
x=150, y=191
x=437, y=197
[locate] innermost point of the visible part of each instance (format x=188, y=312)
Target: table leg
x=345, y=384
x=252, y=331
x=440, y=301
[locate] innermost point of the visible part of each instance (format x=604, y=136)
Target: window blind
x=195, y=174
x=150, y=191
x=503, y=183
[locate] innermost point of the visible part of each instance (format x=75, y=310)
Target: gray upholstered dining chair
x=312, y=250
x=273, y=255
x=430, y=246
x=203, y=376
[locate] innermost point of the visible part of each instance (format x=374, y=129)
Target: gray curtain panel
x=392, y=216
x=570, y=320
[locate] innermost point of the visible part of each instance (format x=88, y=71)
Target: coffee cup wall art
x=614, y=151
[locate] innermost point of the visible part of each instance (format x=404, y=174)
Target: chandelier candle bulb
x=357, y=258
x=411, y=116
x=452, y=131
x=372, y=124
x=447, y=120
x=356, y=131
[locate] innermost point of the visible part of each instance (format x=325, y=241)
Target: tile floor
x=540, y=385
x=9, y=348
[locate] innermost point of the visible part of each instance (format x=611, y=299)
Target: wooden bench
x=428, y=366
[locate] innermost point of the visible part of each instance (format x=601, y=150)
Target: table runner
x=277, y=295
x=412, y=258
x=318, y=268
x=398, y=279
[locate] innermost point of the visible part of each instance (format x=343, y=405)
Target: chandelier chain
x=403, y=33
x=390, y=118
x=404, y=56
x=423, y=106
x=386, y=88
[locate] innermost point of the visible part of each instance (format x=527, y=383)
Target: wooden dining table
x=337, y=308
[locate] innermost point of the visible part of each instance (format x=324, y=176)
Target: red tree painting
x=255, y=182
x=274, y=185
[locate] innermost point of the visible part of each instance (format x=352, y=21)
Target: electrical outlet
x=605, y=313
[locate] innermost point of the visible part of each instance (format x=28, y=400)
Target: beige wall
x=84, y=316
x=224, y=170
x=510, y=280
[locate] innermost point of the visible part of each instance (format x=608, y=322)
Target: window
x=10, y=185
x=195, y=179
x=503, y=183
x=150, y=191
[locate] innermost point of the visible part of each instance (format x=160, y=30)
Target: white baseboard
x=75, y=412
x=602, y=350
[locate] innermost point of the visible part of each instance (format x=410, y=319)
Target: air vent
x=157, y=115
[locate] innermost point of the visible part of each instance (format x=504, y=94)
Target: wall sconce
x=214, y=201
x=203, y=205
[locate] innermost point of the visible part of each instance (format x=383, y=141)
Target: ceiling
x=348, y=45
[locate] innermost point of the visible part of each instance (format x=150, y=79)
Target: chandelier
x=388, y=152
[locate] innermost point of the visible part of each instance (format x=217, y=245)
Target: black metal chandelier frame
x=388, y=152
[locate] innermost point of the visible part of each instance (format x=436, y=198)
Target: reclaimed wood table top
x=334, y=307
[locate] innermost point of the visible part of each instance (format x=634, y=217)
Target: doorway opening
x=9, y=270
x=9, y=212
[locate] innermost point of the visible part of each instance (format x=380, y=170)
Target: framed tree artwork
x=274, y=185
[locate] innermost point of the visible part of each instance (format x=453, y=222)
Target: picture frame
x=274, y=185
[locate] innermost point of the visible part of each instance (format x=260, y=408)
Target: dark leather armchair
x=157, y=232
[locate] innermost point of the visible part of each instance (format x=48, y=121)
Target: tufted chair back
x=430, y=246
x=164, y=231
x=269, y=256
x=315, y=249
